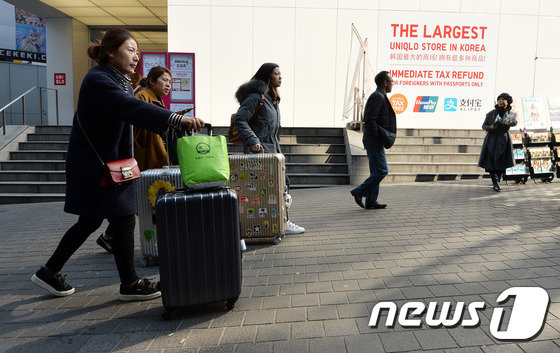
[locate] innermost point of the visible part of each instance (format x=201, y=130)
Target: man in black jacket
x=380, y=131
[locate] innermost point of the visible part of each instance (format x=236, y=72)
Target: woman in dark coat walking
x=497, y=150
x=261, y=133
x=106, y=109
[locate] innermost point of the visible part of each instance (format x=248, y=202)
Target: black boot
x=495, y=184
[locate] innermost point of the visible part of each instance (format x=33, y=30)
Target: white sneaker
x=292, y=228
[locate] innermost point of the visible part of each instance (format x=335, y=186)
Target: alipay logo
x=526, y=320
x=426, y=104
x=450, y=104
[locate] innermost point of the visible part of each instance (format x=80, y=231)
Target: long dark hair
x=263, y=74
x=111, y=41
x=153, y=75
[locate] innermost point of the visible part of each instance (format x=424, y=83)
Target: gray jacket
x=265, y=127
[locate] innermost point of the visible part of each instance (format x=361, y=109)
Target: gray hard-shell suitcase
x=260, y=182
x=152, y=184
x=199, y=248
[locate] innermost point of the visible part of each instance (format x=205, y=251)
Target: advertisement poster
x=554, y=111
x=150, y=60
x=443, y=67
x=182, y=69
x=535, y=114
x=23, y=35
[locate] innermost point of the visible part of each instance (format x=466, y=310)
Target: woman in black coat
x=106, y=109
x=497, y=150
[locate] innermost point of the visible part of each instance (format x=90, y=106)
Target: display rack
x=540, y=155
x=518, y=173
x=555, y=144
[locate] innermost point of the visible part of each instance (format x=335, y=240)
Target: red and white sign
x=446, y=62
x=60, y=79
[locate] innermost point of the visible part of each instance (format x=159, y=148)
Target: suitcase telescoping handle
x=189, y=132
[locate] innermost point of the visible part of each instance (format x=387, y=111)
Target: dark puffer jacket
x=265, y=127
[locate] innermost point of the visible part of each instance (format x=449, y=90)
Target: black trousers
x=121, y=229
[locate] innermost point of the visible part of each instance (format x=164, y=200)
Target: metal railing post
x=23, y=108
x=57, y=121
x=41, y=100
x=4, y=120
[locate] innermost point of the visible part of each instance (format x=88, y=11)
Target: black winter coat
x=497, y=149
x=105, y=109
x=265, y=127
x=380, y=122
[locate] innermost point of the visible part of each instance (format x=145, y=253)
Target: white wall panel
x=480, y=6
x=520, y=7
x=277, y=44
x=550, y=8
x=315, y=67
x=441, y=5
x=366, y=24
x=547, y=73
x=275, y=3
x=193, y=36
x=549, y=29
x=320, y=4
x=231, y=2
x=401, y=5
x=516, y=49
x=359, y=4
x=188, y=3
x=229, y=61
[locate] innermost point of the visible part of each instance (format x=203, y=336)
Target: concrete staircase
x=426, y=155
x=315, y=157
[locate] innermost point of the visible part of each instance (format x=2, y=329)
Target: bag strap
x=88, y=140
x=261, y=103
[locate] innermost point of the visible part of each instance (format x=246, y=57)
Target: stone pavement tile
x=306, y=278
x=467, y=337
x=41, y=330
x=471, y=288
x=133, y=325
x=34, y=345
x=16, y=330
x=399, y=341
x=273, y=332
x=286, y=289
x=172, y=341
x=416, y=292
x=539, y=347
x=199, y=320
x=330, y=276
x=248, y=304
x=320, y=287
x=291, y=315
x=443, y=290
x=548, y=333
x=345, y=286
x=372, y=283
x=389, y=294
x=204, y=337
x=260, y=347
x=341, y=327
x=217, y=349
x=294, y=346
x=305, y=300
x=281, y=279
x=435, y=339
x=465, y=350
x=361, y=296
x=259, y=317
x=265, y=291
x=12, y=344
x=322, y=312
x=347, y=311
x=228, y=318
x=308, y=329
x=101, y=343
x=363, y=343
x=333, y=298
x=136, y=341
x=502, y=348
x=329, y=344
x=242, y=334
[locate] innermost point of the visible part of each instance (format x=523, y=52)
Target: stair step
x=35, y=187
x=42, y=146
x=48, y=137
x=32, y=165
x=362, y=167
x=393, y=178
x=318, y=179
x=44, y=129
x=30, y=198
x=315, y=157
x=301, y=148
x=284, y=139
x=318, y=168
x=32, y=175
x=47, y=155
x=437, y=148
x=440, y=132
x=309, y=131
x=432, y=157
x=438, y=140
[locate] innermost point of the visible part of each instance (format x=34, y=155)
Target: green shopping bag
x=203, y=161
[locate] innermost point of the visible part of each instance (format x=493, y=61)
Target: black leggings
x=121, y=229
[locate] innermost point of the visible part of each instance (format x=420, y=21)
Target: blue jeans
x=378, y=170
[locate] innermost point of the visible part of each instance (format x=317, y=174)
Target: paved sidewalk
x=446, y=241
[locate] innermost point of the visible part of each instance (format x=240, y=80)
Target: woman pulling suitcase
x=102, y=131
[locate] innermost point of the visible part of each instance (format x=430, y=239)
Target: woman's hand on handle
x=256, y=148
x=193, y=123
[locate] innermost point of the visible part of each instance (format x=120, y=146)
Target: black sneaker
x=53, y=283
x=104, y=243
x=142, y=289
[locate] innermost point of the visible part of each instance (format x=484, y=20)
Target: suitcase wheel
x=276, y=240
x=230, y=303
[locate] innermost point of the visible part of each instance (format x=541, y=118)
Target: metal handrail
x=22, y=97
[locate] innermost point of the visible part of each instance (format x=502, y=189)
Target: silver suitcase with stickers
x=152, y=184
x=260, y=182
